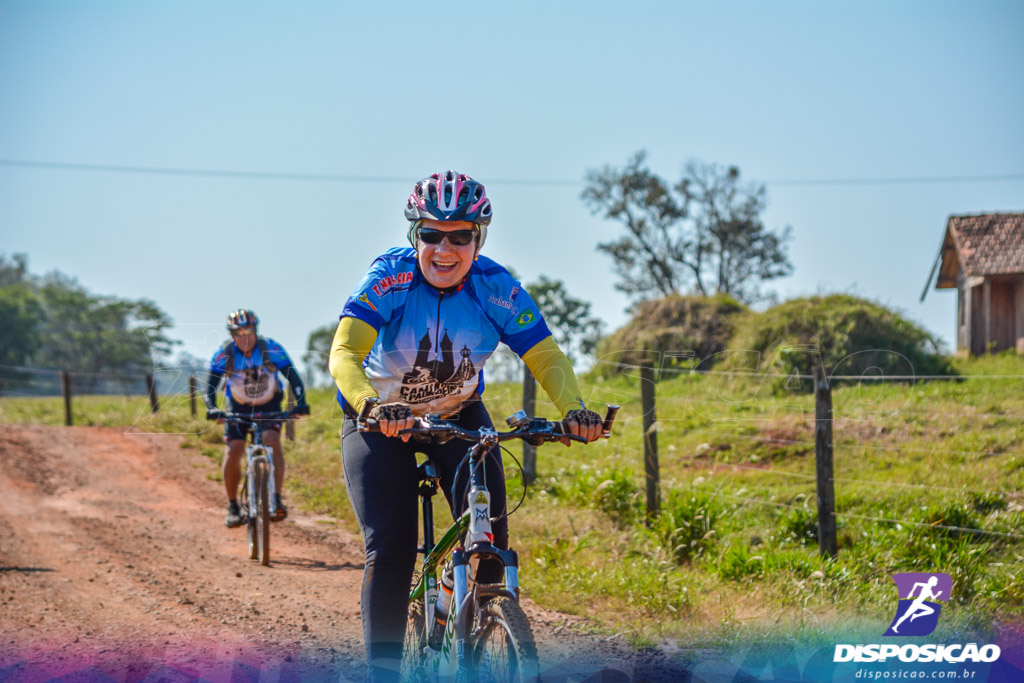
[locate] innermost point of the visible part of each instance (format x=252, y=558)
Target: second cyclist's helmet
x=243, y=317
x=449, y=196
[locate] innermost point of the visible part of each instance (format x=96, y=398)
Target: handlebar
x=533, y=430
x=273, y=416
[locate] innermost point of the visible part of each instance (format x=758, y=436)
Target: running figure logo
x=917, y=615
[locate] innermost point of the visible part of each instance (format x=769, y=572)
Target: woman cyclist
x=416, y=333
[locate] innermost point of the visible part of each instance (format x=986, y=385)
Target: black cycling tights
x=381, y=478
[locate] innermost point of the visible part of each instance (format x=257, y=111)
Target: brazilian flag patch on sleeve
x=525, y=318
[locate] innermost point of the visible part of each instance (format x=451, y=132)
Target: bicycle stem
x=479, y=498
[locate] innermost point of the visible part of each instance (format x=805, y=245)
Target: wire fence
x=184, y=383
x=830, y=433
x=22, y=381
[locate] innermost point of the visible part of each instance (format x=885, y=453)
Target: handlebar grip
x=368, y=405
x=363, y=421
x=609, y=419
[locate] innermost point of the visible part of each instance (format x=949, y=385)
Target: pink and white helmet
x=449, y=196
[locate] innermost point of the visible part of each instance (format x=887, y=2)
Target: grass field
x=928, y=477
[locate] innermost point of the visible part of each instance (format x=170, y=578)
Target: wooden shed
x=983, y=258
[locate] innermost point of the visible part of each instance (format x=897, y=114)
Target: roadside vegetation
x=929, y=477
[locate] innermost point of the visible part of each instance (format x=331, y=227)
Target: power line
x=248, y=175
x=347, y=178
x=901, y=181
x=160, y=170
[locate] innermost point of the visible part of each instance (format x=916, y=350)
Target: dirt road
x=114, y=562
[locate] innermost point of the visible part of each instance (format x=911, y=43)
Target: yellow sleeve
x=555, y=374
x=353, y=341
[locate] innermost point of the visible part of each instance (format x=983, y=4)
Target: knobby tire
x=504, y=650
x=250, y=521
x=262, y=476
x=413, y=660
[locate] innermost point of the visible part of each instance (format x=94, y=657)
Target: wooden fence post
x=289, y=425
x=827, y=544
x=65, y=387
x=192, y=394
x=651, y=469
x=530, y=406
x=151, y=386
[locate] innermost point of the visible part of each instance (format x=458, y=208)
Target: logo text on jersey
x=381, y=286
x=498, y=301
x=435, y=376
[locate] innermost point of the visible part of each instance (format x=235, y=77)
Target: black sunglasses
x=459, y=238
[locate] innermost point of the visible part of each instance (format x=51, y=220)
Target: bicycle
x=257, y=500
x=482, y=633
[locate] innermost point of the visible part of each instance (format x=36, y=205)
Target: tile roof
x=989, y=244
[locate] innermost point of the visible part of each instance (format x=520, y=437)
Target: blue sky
x=526, y=91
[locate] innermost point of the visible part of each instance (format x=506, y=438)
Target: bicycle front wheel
x=413, y=655
x=503, y=649
x=262, y=528
x=250, y=521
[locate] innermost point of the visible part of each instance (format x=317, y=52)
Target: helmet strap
x=412, y=232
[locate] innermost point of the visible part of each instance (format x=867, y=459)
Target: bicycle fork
x=479, y=541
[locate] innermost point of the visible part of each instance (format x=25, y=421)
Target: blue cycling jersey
x=432, y=344
x=251, y=384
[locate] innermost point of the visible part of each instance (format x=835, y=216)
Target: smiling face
x=445, y=264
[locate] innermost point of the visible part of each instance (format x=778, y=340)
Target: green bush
x=667, y=330
x=612, y=491
x=851, y=336
x=954, y=519
x=686, y=525
x=988, y=501
x=799, y=524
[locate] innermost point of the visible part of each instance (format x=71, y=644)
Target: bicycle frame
x=470, y=537
x=475, y=526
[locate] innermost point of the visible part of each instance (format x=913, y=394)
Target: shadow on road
x=314, y=565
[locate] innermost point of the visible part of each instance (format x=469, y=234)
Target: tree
x=19, y=316
x=703, y=235
x=90, y=334
x=573, y=327
x=318, y=353
x=646, y=258
x=53, y=321
x=14, y=272
x=19, y=312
